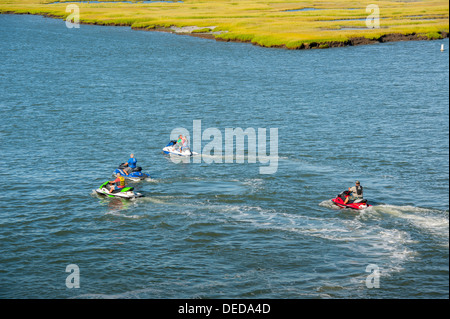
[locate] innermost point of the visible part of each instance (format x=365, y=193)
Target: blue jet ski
x=135, y=174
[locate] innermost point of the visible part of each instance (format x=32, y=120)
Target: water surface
x=76, y=102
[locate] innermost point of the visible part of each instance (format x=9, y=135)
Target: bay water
x=75, y=103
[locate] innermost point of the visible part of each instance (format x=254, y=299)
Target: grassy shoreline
x=276, y=23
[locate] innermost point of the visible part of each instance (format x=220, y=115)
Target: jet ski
x=358, y=203
x=172, y=149
x=135, y=174
x=126, y=192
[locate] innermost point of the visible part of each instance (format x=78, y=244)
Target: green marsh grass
x=264, y=23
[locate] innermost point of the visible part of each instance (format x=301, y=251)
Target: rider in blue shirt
x=131, y=164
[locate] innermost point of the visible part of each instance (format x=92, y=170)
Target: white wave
x=329, y=204
x=119, y=213
x=389, y=246
x=393, y=209
x=160, y=200
x=433, y=221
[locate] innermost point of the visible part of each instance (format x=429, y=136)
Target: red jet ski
x=358, y=203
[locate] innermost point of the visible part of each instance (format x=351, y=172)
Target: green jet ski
x=126, y=192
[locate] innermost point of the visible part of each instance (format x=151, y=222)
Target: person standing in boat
x=179, y=143
x=184, y=144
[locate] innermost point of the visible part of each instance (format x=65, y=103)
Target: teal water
x=76, y=102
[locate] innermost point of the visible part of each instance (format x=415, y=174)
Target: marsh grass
x=264, y=23
x=202, y=30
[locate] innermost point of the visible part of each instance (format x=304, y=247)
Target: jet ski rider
x=180, y=142
x=356, y=192
x=119, y=183
x=184, y=143
x=131, y=164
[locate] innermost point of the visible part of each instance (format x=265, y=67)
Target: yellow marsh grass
x=266, y=23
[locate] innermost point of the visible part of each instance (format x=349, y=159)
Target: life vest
x=121, y=182
x=359, y=190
